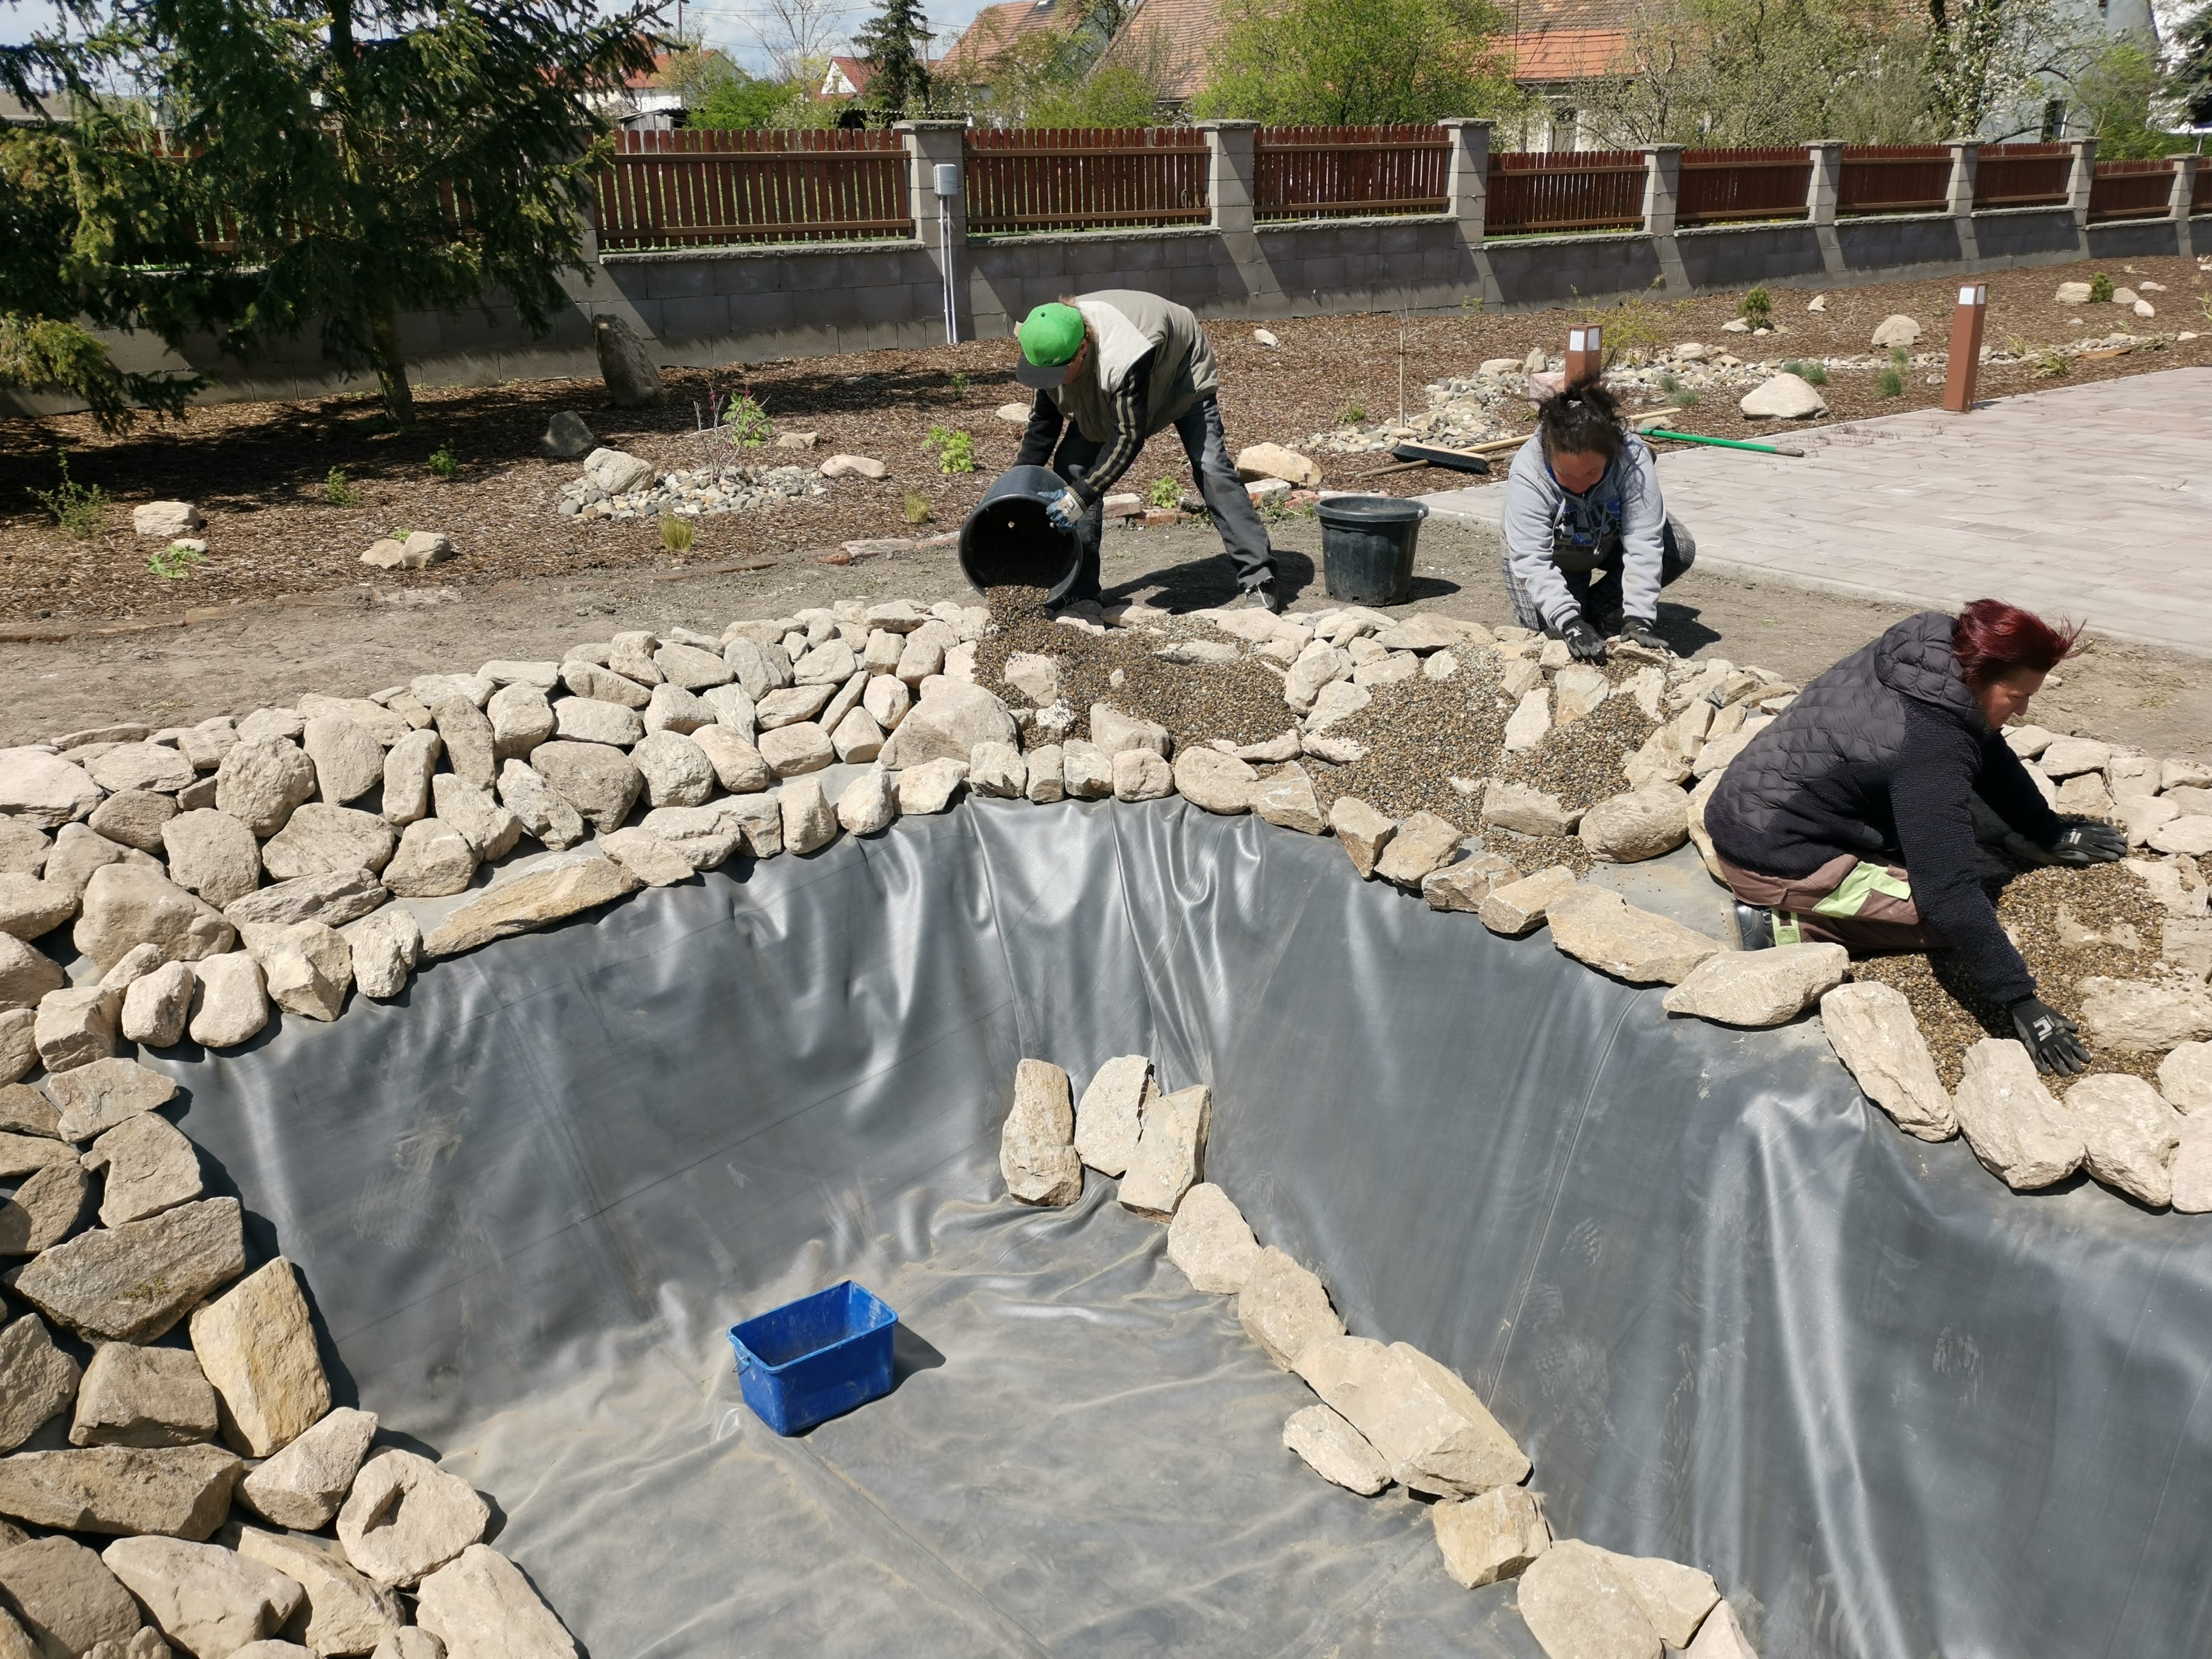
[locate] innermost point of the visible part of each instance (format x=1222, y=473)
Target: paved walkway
x=2091, y=501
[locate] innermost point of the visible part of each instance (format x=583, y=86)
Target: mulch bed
x=258, y=471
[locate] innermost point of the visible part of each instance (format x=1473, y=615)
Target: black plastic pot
x=1007, y=541
x=1367, y=545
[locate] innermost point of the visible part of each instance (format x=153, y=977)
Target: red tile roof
x=1565, y=54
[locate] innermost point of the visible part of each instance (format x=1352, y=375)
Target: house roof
x=996, y=28
x=1170, y=40
x=1564, y=54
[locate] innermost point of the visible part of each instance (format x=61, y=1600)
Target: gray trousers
x=1244, y=537
x=1678, y=551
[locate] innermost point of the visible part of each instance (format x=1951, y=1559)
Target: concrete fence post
x=1467, y=175
x=2082, y=178
x=1662, y=187
x=941, y=224
x=1823, y=189
x=2185, y=184
x=1965, y=166
x=1228, y=174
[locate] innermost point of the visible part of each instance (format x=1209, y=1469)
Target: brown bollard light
x=1585, y=355
x=1966, y=365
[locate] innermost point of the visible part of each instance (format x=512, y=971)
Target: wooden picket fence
x=672, y=190
x=1533, y=190
x=2132, y=189
x=1339, y=173
x=2200, y=194
x=1721, y=185
x=1894, y=178
x=1085, y=179
x=2023, y=175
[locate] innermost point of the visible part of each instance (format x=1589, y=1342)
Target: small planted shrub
x=917, y=508
x=337, y=491
x=1164, y=492
x=1757, y=308
x=443, y=462
x=954, y=449
x=2100, y=289
x=677, y=532
x=176, y=560
x=81, y=510
x=1892, y=384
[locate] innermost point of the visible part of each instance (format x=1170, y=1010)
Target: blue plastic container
x=815, y=1358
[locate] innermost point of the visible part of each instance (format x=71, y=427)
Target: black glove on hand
x=1585, y=641
x=1636, y=631
x=2050, y=1037
x=2080, y=845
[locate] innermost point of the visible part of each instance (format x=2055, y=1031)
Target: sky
x=728, y=24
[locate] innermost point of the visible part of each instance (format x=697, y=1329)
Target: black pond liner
x=1734, y=1315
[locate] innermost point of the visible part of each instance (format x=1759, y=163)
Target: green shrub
x=1892, y=384
x=2100, y=289
x=746, y=424
x=175, y=560
x=1165, y=492
x=81, y=510
x=337, y=491
x=677, y=532
x=1352, y=413
x=1757, y=308
x=443, y=462
x=954, y=449
x=960, y=386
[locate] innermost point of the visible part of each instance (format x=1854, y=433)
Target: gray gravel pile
x=698, y=493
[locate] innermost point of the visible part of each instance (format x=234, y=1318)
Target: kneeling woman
x=1849, y=818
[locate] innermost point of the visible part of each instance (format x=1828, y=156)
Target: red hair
x=1993, y=638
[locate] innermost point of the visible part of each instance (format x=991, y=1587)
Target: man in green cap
x=1111, y=369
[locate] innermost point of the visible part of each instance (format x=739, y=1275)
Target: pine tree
x=895, y=44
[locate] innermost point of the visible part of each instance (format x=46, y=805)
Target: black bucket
x=1367, y=545
x=1008, y=542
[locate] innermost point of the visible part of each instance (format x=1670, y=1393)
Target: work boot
x=1754, y=928
x=1263, y=595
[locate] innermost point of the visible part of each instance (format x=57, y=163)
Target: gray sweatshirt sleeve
x=1532, y=499
x=1643, y=521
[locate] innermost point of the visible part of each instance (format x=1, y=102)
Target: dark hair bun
x=1582, y=419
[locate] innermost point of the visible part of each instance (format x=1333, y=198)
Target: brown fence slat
x=2131, y=190
x=1033, y=180
x=1720, y=186
x=2200, y=195
x=1894, y=178
x=1335, y=173
x=1532, y=191
x=707, y=189
x=2023, y=175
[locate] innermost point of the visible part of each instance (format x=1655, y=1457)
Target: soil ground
x=259, y=471
x=358, y=640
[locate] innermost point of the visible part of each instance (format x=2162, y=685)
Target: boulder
x=1284, y=1307
x=596, y=683
x=176, y=1492
x=44, y=1210
x=26, y=973
x=1047, y=764
x=79, y=850
x=230, y=1003
x=37, y=1380
x=1527, y=812
x=566, y=438
x=75, y=1026
x=1783, y=397
x=792, y=751
x=435, y=861
x=337, y=897
x=347, y=762
x=1110, y=1118
x=66, y=1600
x=548, y=891
x=1674, y=1597
x=520, y=720
x=868, y=804
x=346, y=1613
x=1645, y=824
x=1464, y=886
x=1170, y=1153
x=133, y=818
x=1491, y=1537
x=704, y=837
x=854, y=466
x=165, y=520
x=127, y=905
x=2132, y=1016
x=208, y=1601
x=1896, y=330
x=1209, y=1238
x=135, y=1396
x=858, y=739
x=97, y=1097
x=676, y=771
x=212, y=855
x=2129, y=1135
x=1116, y=733
x=256, y=1344
x=1337, y=702
x=1335, y=1451
x=1530, y=719
x=887, y=700
x=18, y=1049
x=1035, y=676
x=950, y=719
x=791, y=706
x=1514, y=908
x=2185, y=1077
x=1432, y=1430
x=405, y=1517
x=1319, y=666
x=303, y=1484
x=1218, y=782
x=1422, y=843
x=738, y=765
x=2068, y=758
x=1285, y=797
x=2188, y=837
x=43, y=791
x=1365, y=832
x=482, y=1608
x=632, y=382
x=1577, y=1607
x=830, y=663
x=1871, y=1028
x=760, y=818
x=408, y=766
x=590, y=720
x=1036, y=1150
x=995, y=770
x=809, y=824
x=930, y=787
x=2191, y=1169
x=132, y=1283
x=540, y=810
x=1580, y=688
x=30, y=908
x=322, y=839
x=1600, y=928
x=259, y=782
x=1759, y=987
x=25, y=1111
x=1140, y=775
x=2072, y=294
x=1721, y=1637
x=646, y=856
x=1273, y=461
x=2021, y=1135
x=759, y=665
x=692, y=668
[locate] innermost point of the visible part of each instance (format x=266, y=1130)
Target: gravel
x=698, y=492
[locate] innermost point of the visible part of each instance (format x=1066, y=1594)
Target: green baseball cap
x=1050, y=338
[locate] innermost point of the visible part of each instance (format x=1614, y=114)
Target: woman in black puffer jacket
x=1848, y=819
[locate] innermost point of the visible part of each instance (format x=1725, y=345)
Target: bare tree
x=797, y=35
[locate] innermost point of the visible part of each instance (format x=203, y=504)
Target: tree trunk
x=390, y=366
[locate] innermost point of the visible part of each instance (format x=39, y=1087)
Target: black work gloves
x=1636, y=631
x=2050, y=1037
x=2080, y=845
x=1583, y=641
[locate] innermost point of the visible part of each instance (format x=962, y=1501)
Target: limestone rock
x=1036, y=1150
x=1721, y=1637
x=1646, y=823
x=2191, y=1171
x=257, y=1346
x=1527, y=812
x=44, y=791
x=177, y=1491
x=1336, y=1451
x=1170, y=1155
x=792, y=750
x=587, y=719
x=79, y=850
x=22, y=1154
x=1598, y=927
x=676, y=712
x=1896, y=330
x=1871, y=1027
x=259, y=782
x=338, y=897
x=632, y=382
x=1530, y=719
x=1087, y=770
x=2019, y=1132
x=738, y=765
x=1109, y=1119
x=950, y=719
x=433, y=861
x=1036, y=677
x=1286, y=798
x=384, y=949
x=1284, y=1308
x=868, y=804
x=1783, y=397
x=1759, y=987
x=307, y=967
x=1140, y=775
x=2129, y=1135
x=800, y=703
x=44, y=1211
x=1431, y=1429
x=676, y=771
x=1209, y=1239
x=595, y=682
x=482, y=1608
x=887, y=700
x=66, y=1600
x=322, y=839
x=520, y=719
x=809, y=824
x=1674, y=1597
x=1577, y=1607
x=30, y=908
x=207, y=1600
x=760, y=818
x=1218, y=782
x=1514, y=908
x=853, y=466
x=1047, y=764
x=75, y=1026
x=302, y=1486
x=1490, y=1538
x=25, y=1111
x=1464, y=886
x=2068, y=758
x=1116, y=733
x=405, y=1517
x=1365, y=832
x=165, y=520
x=1273, y=461
x=1337, y=702
x=127, y=905
x=346, y=1613
x=135, y=1396
x=134, y=817
x=1317, y=666
x=151, y=1167
x=212, y=855
x=704, y=837
x=347, y=762
x=2137, y=1016
x=1580, y=688
x=37, y=1380
x=132, y=1283
x=692, y=667
x=230, y=1003
x=931, y=785
x=26, y=973
x=547, y=892
x=2185, y=1077
x=996, y=769
x=1423, y=842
